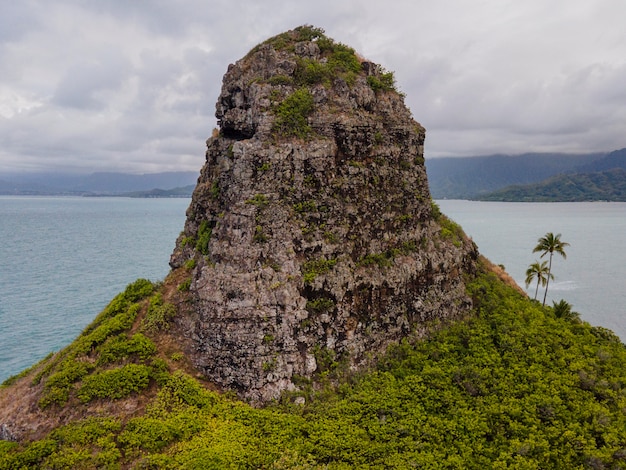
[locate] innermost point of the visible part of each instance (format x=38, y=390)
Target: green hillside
x=607, y=185
x=471, y=177
x=511, y=387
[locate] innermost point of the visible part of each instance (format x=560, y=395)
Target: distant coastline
x=152, y=185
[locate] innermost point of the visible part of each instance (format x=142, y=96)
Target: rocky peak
x=311, y=238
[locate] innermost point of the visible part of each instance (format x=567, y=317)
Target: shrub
x=58, y=385
x=451, y=230
x=320, y=305
x=382, y=260
x=159, y=314
x=311, y=72
x=259, y=200
x=340, y=62
x=384, y=82
x=292, y=112
x=281, y=80
x=204, y=237
x=434, y=210
x=215, y=190
x=140, y=289
x=312, y=269
x=259, y=235
x=305, y=206
x=120, y=348
x=185, y=285
x=115, y=383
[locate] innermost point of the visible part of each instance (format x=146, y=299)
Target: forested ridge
x=609, y=185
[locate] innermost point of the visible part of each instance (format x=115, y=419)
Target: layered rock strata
x=311, y=234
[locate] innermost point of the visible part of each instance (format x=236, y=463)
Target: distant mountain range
x=167, y=184
x=527, y=177
x=486, y=177
x=609, y=185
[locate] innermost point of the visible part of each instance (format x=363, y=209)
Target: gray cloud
x=131, y=86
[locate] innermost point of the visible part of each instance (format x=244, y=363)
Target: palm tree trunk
x=537, y=288
x=548, y=280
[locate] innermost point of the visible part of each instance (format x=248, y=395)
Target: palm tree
x=539, y=271
x=564, y=310
x=550, y=243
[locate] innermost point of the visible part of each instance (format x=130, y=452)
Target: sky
x=131, y=85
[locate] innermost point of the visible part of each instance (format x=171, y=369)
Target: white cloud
x=118, y=85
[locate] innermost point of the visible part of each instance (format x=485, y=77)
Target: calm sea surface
x=592, y=278
x=63, y=259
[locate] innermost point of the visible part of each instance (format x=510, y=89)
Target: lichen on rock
x=312, y=230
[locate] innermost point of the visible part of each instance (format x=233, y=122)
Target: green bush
x=74, y=363
x=292, y=113
x=215, y=190
x=204, y=237
x=287, y=40
x=259, y=200
x=305, y=206
x=382, y=260
x=115, y=383
x=281, y=80
x=340, y=61
x=138, y=290
x=59, y=384
x=320, y=305
x=311, y=72
x=384, y=82
x=158, y=315
x=134, y=292
x=312, y=269
x=121, y=348
x=259, y=235
x=185, y=285
x=450, y=230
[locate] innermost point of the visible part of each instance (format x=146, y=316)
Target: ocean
x=62, y=259
x=593, y=276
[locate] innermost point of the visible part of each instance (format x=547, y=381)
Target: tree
x=550, y=243
x=564, y=310
x=539, y=271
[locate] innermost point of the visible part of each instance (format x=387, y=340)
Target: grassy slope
x=514, y=387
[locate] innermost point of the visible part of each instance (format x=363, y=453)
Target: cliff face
x=312, y=232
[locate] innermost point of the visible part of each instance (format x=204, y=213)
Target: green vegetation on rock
x=292, y=113
x=204, y=237
x=516, y=386
x=106, y=341
x=314, y=268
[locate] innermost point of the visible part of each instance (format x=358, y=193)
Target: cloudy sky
x=131, y=85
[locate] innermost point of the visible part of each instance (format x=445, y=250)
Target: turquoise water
x=62, y=259
x=592, y=278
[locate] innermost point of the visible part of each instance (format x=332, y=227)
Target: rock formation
x=311, y=233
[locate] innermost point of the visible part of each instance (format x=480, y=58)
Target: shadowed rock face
x=312, y=228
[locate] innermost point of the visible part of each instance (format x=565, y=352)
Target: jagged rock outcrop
x=312, y=232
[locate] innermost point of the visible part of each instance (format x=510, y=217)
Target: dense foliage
x=514, y=387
